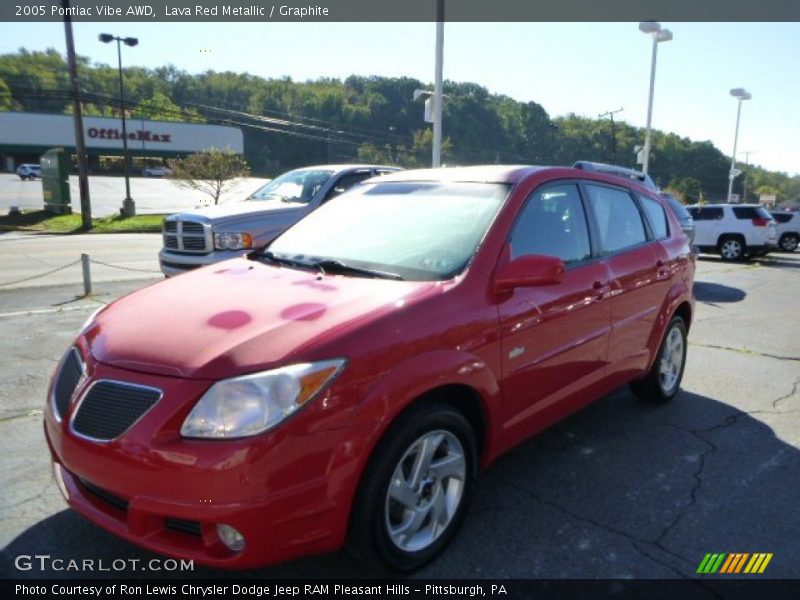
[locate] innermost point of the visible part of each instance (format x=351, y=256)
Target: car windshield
x=300, y=185
x=416, y=230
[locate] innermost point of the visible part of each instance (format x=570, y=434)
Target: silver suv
x=735, y=231
x=208, y=235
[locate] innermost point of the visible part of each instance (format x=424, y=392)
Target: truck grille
x=110, y=408
x=68, y=378
x=186, y=236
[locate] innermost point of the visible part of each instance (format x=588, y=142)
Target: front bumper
x=175, y=263
x=167, y=494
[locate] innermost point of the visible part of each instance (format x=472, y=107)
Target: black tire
x=731, y=247
x=789, y=242
x=653, y=388
x=370, y=538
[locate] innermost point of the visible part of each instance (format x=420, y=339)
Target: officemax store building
x=24, y=137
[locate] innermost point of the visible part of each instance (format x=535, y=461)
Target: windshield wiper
x=331, y=265
x=283, y=260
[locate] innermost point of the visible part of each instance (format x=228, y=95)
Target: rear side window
x=656, y=216
x=552, y=223
x=618, y=219
x=781, y=218
x=750, y=212
x=706, y=213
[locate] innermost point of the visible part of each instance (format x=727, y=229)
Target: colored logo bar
x=733, y=563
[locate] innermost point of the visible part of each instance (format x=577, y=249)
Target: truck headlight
x=232, y=241
x=251, y=404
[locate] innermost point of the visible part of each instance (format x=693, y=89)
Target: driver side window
x=552, y=223
x=345, y=182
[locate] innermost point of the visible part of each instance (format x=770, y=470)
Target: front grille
x=192, y=227
x=68, y=378
x=190, y=243
x=105, y=495
x=185, y=236
x=183, y=526
x=111, y=407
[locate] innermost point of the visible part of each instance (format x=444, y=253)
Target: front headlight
x=232, y=241
x=251, y=404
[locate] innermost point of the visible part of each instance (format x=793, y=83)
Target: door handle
x=662, y=270
x=599, y=290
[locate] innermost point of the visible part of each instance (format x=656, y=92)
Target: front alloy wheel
x=425, y=491
x=789, y=242
x=415, y=489
x=731, y=249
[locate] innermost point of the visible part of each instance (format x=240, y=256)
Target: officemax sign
x=141, y=135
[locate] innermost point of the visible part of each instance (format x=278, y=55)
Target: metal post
x=87, y=275
x=437, y=93
x=128, y=205
x=77, y=113
x=646, y=162
x=733, y=157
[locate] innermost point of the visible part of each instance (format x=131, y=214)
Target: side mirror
x=528, y=271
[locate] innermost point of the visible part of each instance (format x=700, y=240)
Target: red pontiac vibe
x=347, y=383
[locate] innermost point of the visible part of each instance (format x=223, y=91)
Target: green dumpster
x=55, y=181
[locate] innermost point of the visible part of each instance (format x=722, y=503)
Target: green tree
x=210, y=171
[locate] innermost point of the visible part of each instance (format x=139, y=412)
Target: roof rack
x=587, y=165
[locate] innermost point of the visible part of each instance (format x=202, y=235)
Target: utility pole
x=77, y=114
x=611, y=114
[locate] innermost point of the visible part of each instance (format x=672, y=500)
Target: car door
x=639, y=276
x=554, y=337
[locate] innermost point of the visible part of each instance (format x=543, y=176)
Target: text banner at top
x=401, y=10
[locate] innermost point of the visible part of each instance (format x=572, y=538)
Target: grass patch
x=42, y=220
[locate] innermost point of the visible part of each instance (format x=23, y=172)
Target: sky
x=581, y=68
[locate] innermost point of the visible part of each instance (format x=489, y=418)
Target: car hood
x=237, y=317
x=223, y=212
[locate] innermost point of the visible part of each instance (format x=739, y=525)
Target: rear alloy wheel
x=664, y=378
x=789, y=242
x=731, y=248
x=415, y=490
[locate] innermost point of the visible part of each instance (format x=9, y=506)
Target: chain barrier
x=72, y=264
x=56, y=270
x=98, y=262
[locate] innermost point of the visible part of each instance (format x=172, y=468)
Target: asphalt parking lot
x=152, y=195
x=619, y=490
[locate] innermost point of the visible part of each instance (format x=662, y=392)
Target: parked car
x=29, y=171
x=204, y=236
x=735, y=231
x=157, y=172
x=788, y=230
x=683, y=216
x=348, y=382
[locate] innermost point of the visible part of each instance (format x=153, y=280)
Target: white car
x=156, y=172
x=788, y=230
x=735, y=231
x=29, y=171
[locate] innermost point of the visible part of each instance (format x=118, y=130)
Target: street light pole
x=740, y=94
x=659, y=35
x=746, y=172
x=438, y=84
x=128, y=205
